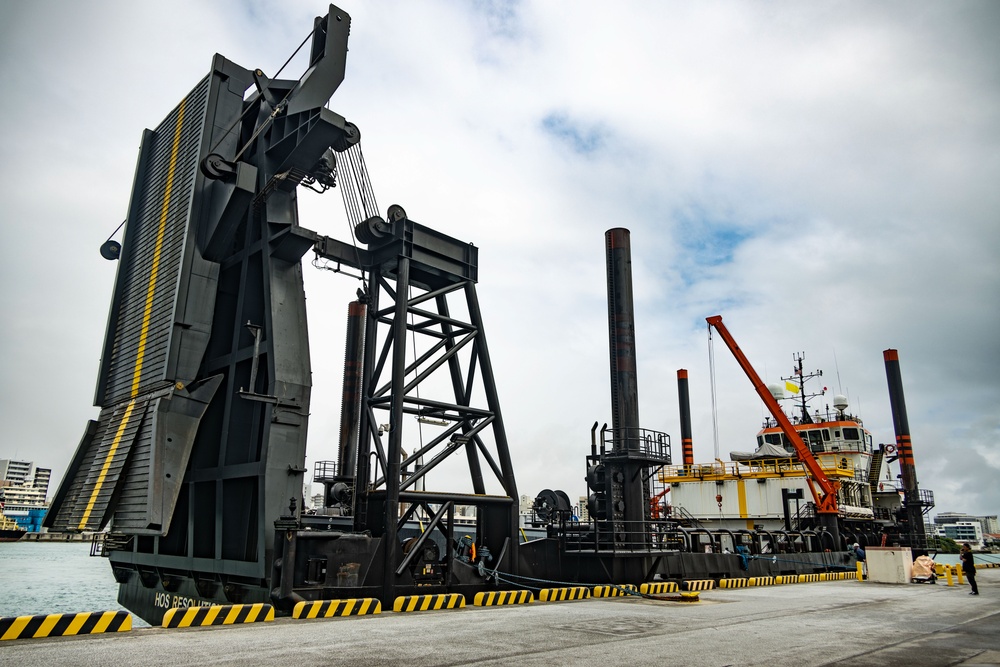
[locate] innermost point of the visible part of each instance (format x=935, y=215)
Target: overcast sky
x=823, y=175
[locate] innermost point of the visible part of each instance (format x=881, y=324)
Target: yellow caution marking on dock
x=787, y=579
x=497, y=598
x=331, y=608
x=761, y=581
x=562, y=594
x=698, y=585
x=429, y=602
x=613, y=591
x=60, y=625
x=187, y=617
x=658, y=588
x=734, y=583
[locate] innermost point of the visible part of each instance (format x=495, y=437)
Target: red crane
x=826, y=496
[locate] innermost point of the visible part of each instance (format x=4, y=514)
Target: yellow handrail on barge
x=833, y=464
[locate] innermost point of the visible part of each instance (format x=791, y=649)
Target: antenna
x=840, y=388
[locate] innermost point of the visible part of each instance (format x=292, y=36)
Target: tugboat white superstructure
x=769, y=489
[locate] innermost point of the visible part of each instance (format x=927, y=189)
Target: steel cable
x=711, y=373
x=251, y=106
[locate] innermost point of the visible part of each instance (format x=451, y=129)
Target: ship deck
x=876, y=624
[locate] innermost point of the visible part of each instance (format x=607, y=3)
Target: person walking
x=969, y=567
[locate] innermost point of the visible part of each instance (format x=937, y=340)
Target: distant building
x=24, y=492
x=989, y=524
x=525, y=505
x=946, y=524
x=964, y=531
x=317, y=501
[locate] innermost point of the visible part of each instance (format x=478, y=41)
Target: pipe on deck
x=684, y=402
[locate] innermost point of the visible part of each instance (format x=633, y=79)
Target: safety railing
x=325, y=471
x=623, y=537
x=641, y=443
x=102, y=544
x=620, y=536
x=770, y=422
x=832, y=464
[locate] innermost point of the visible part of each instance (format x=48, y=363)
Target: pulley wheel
x=111, y=250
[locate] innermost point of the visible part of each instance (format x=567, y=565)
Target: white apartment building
x=22, y=482
x=963, y=531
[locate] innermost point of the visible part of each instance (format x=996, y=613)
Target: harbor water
x=55, y=578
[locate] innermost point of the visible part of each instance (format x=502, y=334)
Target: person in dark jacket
x=969, y=567
x=859, y=554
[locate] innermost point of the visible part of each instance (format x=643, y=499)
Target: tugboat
x=9, y=530
x=769, y=489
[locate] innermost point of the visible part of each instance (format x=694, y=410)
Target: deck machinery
x=196, y=462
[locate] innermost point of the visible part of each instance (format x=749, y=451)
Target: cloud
x=822, y=176
x=578, y=138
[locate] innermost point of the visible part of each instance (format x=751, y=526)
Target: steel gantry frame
x=415, y=277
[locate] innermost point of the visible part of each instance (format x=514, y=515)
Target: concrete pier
x=829, y=623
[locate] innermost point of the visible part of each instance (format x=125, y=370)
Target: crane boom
x=826, y=497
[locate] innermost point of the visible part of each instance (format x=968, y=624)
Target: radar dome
x=776, y=390
x=840, y=402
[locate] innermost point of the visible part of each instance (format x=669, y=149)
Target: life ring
x=890, y=449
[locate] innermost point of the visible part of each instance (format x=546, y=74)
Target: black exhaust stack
x=628, y=493
x=912, y=500
x=684, y=401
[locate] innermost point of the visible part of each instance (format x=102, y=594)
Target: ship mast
x=798, y=377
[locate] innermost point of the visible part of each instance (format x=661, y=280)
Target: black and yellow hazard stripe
x=698, y=585
x=497, y=598
x=59, y=625
x=786, y=579
x=734, y=583
x=429, y=602
x=562, y=594
x=761, y=581
x=187, y=617
x=331, y=608
x=809, y=578
x=613, y=591
x=658, y=587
